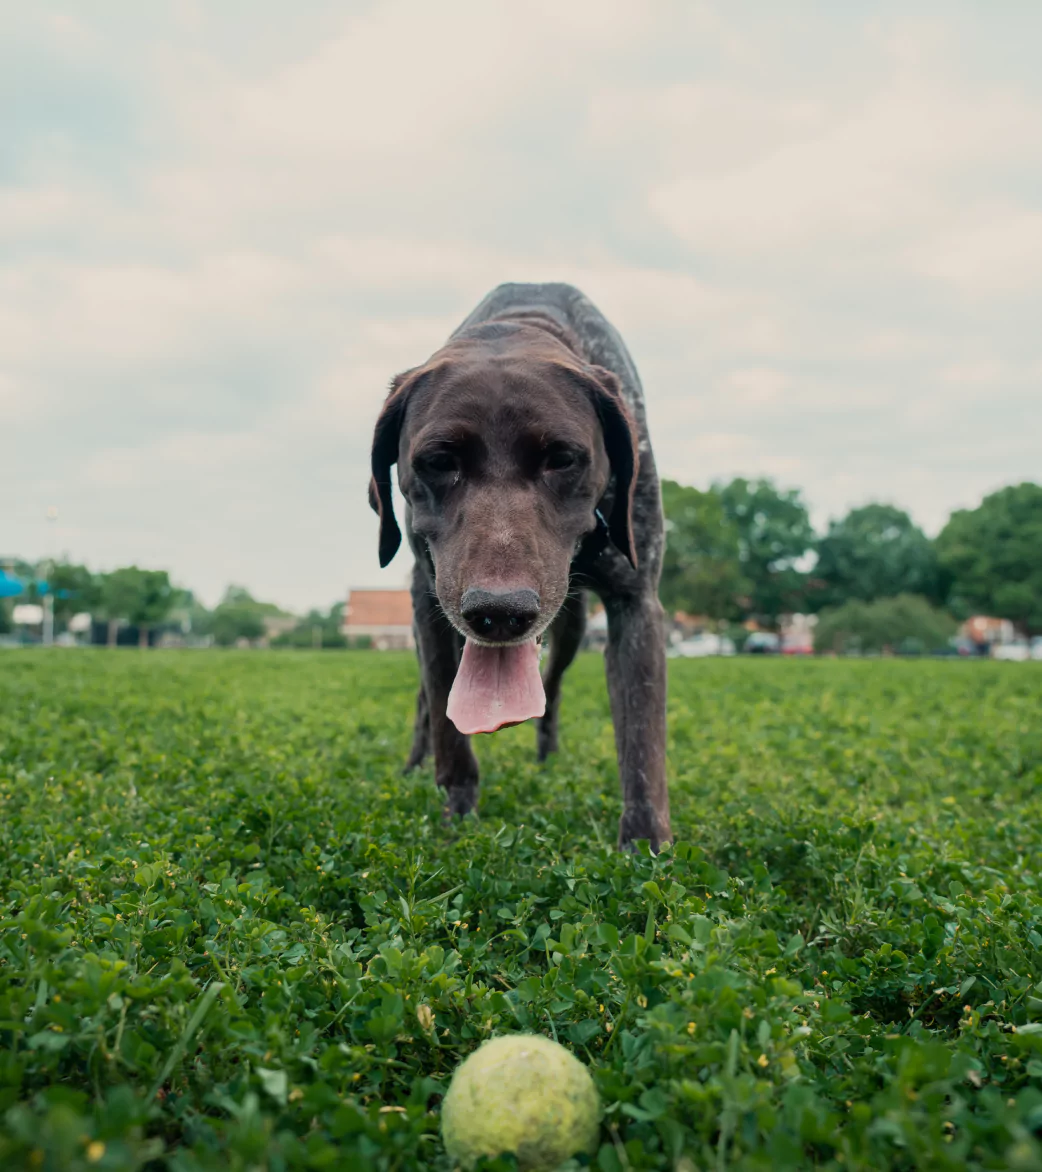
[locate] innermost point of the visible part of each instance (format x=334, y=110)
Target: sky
x=225, y=227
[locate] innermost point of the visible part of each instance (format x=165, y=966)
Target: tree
x=74, y=589
x=189, y=614
x=112, y=605
x=11, y=587
x=906, y=624
x=156, y=597
x=232, y=621
x=774, y=533
x=239, y=595
x=876, y=551
x=992, y=556
x=316, y=630
x=239, y=616
x=701, y=572
x=142, y=597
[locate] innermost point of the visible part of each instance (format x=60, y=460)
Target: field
x=233, y=936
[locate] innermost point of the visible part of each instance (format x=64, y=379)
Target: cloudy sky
x=223, y=227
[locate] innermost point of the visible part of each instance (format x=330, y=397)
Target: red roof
x=378, y=608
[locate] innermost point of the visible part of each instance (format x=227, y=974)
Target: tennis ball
x=522, y=1094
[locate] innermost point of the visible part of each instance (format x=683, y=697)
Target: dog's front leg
x=566, y=636
x=421, y=733
x=439, y=646
x=635, y=661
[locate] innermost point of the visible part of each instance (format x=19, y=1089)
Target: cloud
x=997, y=252
x=757, y=386
x=815, y=231
x=864, y=179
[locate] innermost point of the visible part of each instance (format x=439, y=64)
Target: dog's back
x=599, y=342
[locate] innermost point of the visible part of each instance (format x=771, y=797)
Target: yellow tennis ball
x=522, y=1094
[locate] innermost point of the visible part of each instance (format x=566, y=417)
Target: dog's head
x=508, y=447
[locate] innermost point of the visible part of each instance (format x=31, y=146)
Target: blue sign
x=9, y=587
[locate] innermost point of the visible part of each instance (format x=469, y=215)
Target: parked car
x=699, y=646
x=1017, y=652
x=762, y=643
x=968, y=648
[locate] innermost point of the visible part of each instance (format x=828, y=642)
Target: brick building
x=383, y=616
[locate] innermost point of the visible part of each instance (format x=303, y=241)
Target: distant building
x=680, y=625
x=986, y=631
x=383, y=616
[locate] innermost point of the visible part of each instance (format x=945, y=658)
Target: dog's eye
x=559, y=459
x=439, y=464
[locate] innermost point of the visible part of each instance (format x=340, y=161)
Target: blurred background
x=223, y=228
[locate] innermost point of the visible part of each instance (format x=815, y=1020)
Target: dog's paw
x=415, y=761
x=459, y=801
x=545, y=740
x=643, y=823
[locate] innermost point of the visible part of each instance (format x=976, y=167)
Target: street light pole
x=48, y=598
x=48, y=620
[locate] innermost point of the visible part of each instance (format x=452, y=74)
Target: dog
x=524, y=460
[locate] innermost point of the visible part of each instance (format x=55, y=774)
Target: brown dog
x=523, y=457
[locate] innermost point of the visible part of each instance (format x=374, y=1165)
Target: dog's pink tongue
x=495, y=686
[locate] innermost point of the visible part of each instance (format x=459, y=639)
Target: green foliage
x=906, y=624
x=316, y=629
x=701, y=570
x=873, y=552
x=141, y=597
x=732, y=551
x=74, y=588
x=20, y=568
x=232, y=621
x=993, y=556
x=239, y=616
x=239, y=595
x=233, y=936
x=189, y=614
x=774, y=533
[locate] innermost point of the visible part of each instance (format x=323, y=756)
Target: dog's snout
x=499, y=616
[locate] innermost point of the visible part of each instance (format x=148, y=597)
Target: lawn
x=233, y=936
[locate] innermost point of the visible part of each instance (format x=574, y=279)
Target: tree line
x=747, y=550
x=734, y=552
x=143, y=598
x=148, y=602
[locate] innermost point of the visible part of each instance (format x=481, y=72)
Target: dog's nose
x=499, y=616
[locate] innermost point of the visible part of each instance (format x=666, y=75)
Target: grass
x=232, y=936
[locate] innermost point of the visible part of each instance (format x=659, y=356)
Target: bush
x=232, y=621
x=907, y=624
x=737, y=634
x=314, y=631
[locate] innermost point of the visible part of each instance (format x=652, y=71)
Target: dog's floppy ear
x=385, y=454
x=621, y=444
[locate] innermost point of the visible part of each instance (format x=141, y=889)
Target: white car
x=699, y=646
x=1017, y=652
